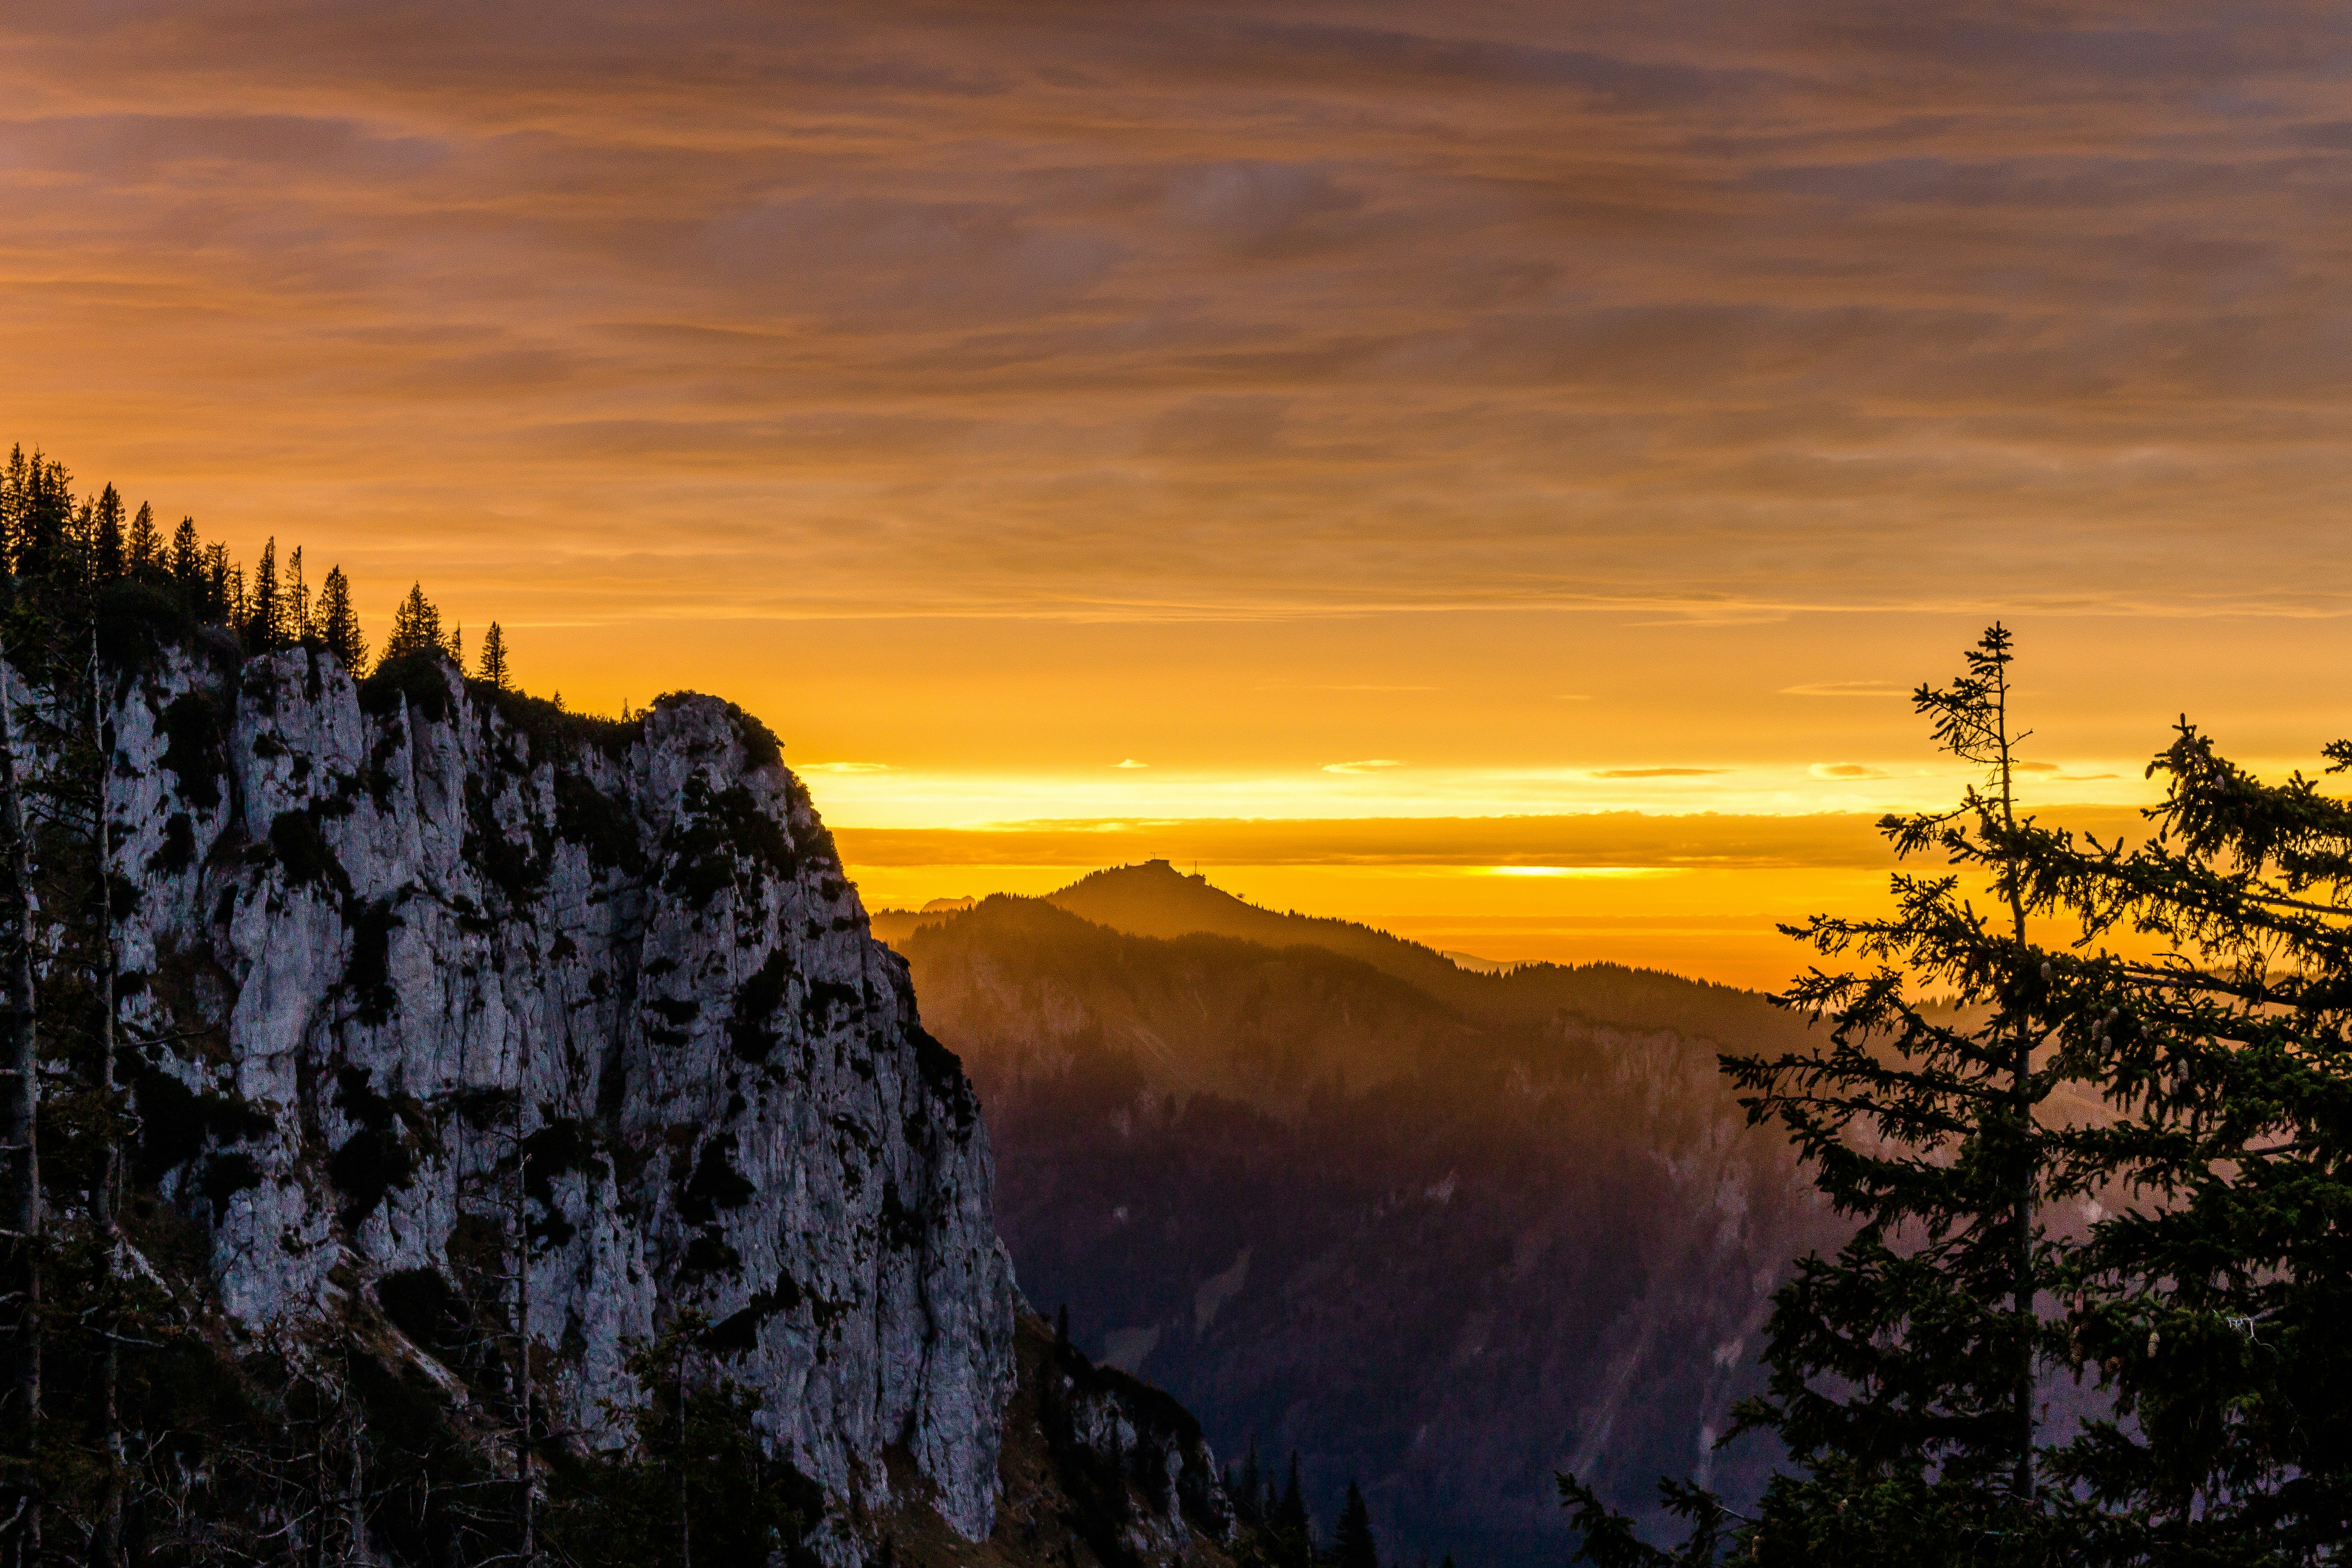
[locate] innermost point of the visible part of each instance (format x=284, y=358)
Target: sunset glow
x=1090, y=435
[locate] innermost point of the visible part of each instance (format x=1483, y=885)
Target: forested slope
x=1440, y=1232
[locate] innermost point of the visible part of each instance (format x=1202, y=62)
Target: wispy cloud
x=1658, y=772
x=1368, y=765
x=1845, y=840
x=1713, y=318
x=1846, y=689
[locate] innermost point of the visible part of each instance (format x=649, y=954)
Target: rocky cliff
x=427, y=967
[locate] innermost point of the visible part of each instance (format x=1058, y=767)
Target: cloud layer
x=1198, y=312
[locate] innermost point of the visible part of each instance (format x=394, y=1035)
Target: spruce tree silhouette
x=1352, y=1543
x=339, y=624
x=1293, y=1533
x=494, y=659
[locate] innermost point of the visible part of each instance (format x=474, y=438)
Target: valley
x=1440, y=1232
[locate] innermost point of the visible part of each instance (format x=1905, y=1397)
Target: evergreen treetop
x=415, y=628
x=494, y=659
x=339, y=624
x=2204, y=1299
x=1352, y=1543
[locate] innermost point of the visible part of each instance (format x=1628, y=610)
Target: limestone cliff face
x=431, y=926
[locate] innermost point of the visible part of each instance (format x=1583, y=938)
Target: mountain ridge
x=1442, y=1240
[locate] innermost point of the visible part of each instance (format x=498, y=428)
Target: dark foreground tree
x=691, y=1484
x=2212, y=1306
x=1352, y=1543
x=1908, y=1373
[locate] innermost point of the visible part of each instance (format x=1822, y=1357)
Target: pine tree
x=220, y=588
x=144, y=547
x=1293, y=1533
x=16, y=500
x=339, y=624
x=416, y=629
x=2206, y=1298
x=264, y=626
x=1902, y=1369
x=294, y=594
x=694, y=1484
x=186, y=564
x=1244, y=1491
x=2211, y=1305
x=106, y=535
x=494, y=658
x=1352, y=1543
x=44, y=520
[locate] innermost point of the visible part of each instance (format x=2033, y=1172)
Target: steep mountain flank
x=1440, y=1238
x=454, y=1006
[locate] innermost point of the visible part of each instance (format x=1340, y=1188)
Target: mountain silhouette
x=1440, y=1231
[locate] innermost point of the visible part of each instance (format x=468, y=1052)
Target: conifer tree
x=415, y=628
x=220, y=591
x=1293, y=1533
x=1351, y=1544
x=494, y=659
x=185, y=563
x=106, y=535
x=1245, y=1492
x=16, y=492
x=145, y=546
x=44, y=520
x=264, y=628
x=295, y=594
x=2207, y=1296
x=339, y=624
x=2212, y=1304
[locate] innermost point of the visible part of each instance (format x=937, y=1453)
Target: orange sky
x=1361, y=411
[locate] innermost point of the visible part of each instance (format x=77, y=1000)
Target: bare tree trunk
x=354, y=1505
x=526, y=1520
x=20, y=1105
x=108, y=1542
x=2022, y=1482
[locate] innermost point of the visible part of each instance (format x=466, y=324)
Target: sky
x=1368, y=448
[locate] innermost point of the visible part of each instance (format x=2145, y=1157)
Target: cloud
x=844, y=767
x=1839, y=840
x=1846, y=689
x=1658, y=772
x=1131, y=763
x=2055, y=773
x=1688, y=316
x=1847, y=770
x=1370, y=764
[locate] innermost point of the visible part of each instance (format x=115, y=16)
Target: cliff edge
x=435, y=966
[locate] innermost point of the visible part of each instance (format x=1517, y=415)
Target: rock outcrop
x=395, y=935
